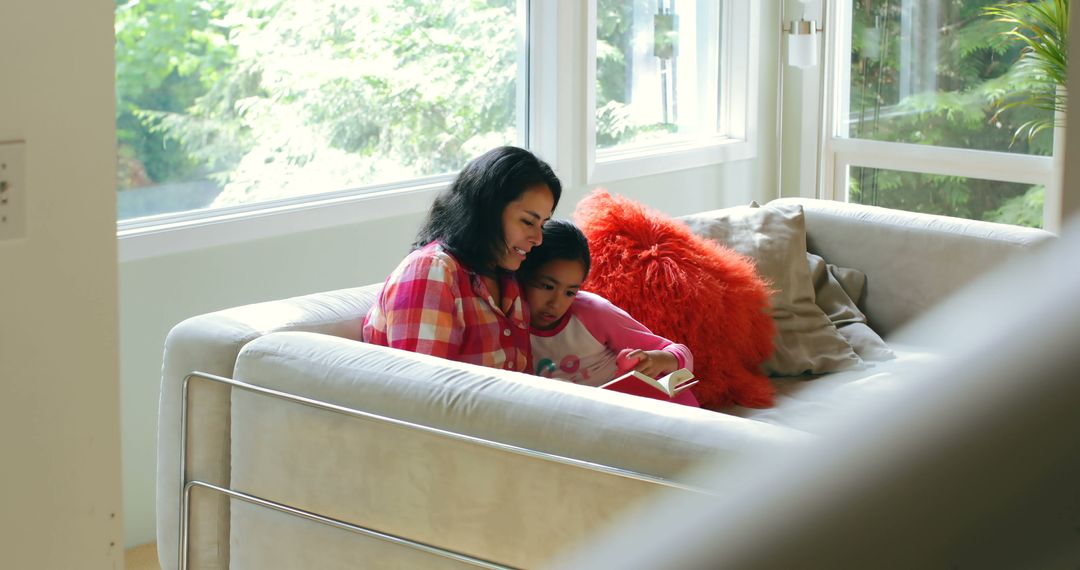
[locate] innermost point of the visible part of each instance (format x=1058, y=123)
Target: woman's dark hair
x=562, y=240
x=467, y=217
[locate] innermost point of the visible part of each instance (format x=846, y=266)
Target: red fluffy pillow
x=687, y=289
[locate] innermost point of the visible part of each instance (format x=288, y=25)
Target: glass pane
x=930, y=72
x=657, y=64
x=226, y=102
x=971, y=198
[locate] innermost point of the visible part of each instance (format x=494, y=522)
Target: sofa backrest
x=912, y=261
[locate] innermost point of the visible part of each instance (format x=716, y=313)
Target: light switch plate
x=12, y=190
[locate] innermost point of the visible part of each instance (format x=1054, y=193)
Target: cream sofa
x=308, y=449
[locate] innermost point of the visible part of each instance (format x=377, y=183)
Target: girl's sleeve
x=617, y=330
x=421, y=307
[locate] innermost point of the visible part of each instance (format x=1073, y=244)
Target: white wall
x=156, y=293
x=59, y=384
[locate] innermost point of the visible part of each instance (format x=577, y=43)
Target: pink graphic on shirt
x=571, y=364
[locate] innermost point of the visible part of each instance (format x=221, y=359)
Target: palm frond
x=1042, y=29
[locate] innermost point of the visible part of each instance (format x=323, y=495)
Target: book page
x=677, y=381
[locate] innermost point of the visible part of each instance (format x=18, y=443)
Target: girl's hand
x=654, y=363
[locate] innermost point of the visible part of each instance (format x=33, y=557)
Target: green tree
x=615, y=123
x=168, y=54
x=1042, y=29
x=284, y=98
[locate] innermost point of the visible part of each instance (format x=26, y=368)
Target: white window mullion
x=739, y=70
x=987, y=165
x=836, y=94
x=590, y=93
x=708, y=108
x=524, y=72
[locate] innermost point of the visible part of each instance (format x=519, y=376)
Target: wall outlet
x=12, y=190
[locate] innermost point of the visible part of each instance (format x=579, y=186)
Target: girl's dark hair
x=562, y=240
x=467, y=217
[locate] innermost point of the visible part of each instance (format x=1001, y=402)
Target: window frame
x=738, y=108
x=841, y=153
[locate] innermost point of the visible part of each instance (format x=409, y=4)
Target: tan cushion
x=775, y=237
x=836, y=291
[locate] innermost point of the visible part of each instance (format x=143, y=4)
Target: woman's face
x=521, y=221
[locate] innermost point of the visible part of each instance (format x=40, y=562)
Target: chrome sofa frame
x=188, y=486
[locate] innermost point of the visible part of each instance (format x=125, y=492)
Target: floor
x=142, y=557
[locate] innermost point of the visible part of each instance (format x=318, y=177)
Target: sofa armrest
x=510, y=507
x=911, y=261
x=210, y=343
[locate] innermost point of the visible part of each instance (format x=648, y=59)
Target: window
x=666, y=88
x=648, y=86
x=228, y=104
x=248, y=119
x=915, y=125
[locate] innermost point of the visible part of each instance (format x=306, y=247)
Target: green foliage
x=273, y=98
x=1023, y=210
x=168, y=53
x=615, y=124
x=969, y=66
x=614, y=20
x=1042, y=29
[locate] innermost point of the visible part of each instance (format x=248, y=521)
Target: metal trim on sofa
x=187, y=486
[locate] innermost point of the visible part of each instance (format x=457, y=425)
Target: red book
x=671, y=388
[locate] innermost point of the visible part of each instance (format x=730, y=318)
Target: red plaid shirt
x=433, y=305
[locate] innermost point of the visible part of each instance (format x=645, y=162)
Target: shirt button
x=506, y=332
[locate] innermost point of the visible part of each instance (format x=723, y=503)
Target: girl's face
x=550, y=290
x=521, y=221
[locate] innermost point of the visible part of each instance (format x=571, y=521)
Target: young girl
x=456, y=295
x=582, y=337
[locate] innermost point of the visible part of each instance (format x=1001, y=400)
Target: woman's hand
x=654, y=363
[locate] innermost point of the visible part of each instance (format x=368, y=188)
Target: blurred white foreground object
x=974, y=463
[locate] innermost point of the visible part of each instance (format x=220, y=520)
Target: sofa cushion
x=837, y=291
x=813, y=405
x=775, y=238
x=686, y=289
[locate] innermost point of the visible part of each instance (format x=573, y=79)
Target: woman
x=456, y=295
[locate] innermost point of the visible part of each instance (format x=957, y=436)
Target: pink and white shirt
x=583, y=346
x=433, y=304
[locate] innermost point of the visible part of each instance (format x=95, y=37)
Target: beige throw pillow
x=775, y=238
x=837, y=291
